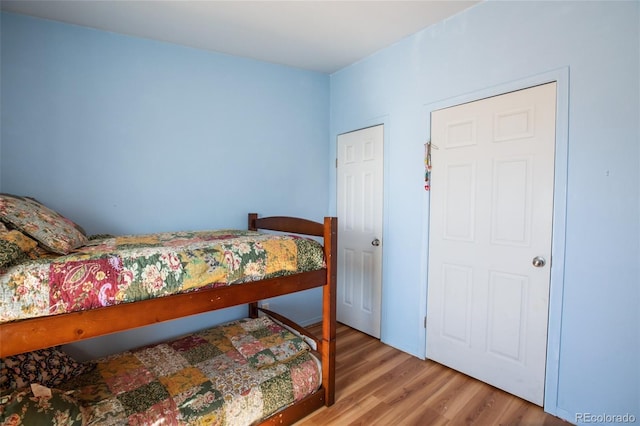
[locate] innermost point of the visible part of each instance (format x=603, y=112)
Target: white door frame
x=375, y=120
x=561, y=76
x=356, y=315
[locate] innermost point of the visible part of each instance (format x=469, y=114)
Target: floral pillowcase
x=47, y=367
x=52, y=230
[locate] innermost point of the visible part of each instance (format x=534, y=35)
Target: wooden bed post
x=329, y=309
x=251, y=226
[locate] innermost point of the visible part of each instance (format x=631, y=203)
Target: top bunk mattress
x=114, y=270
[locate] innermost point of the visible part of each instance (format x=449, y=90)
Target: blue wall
x=126, y=135
x=132, y=135
x=596, y=327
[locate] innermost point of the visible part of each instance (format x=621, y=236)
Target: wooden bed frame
x=37, y=333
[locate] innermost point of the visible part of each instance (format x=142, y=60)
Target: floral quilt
x=125, y=269
x=206, y=378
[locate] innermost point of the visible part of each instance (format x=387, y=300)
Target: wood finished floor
x=379, y=385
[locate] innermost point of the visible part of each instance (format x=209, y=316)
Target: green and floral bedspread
x=130, y=268
x=234, y=374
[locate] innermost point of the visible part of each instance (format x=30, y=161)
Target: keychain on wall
x=427, y=166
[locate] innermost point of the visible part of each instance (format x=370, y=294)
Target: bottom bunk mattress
x=233, y=374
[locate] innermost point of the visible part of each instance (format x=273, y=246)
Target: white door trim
x=360, y=164
x=561, y=76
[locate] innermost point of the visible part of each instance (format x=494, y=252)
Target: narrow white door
x=359, y=204
x=490, y=238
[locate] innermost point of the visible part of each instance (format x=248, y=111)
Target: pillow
x=47, y=367
x=52, y=230
x=75, y=225
x=23, y=408
x=15, y=247
x=264, y=343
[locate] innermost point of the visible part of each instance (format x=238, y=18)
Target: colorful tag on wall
x=427, y=166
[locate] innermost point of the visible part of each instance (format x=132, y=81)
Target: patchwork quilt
x=125, y=269
x=234, y=374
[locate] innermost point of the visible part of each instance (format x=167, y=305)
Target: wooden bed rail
x=43, y=332
x=292, y=325
x=286, y=224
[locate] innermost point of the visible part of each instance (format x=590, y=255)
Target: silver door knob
x=375, y=242
x=538, y=261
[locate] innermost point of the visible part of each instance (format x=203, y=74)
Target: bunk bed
x=24, y=335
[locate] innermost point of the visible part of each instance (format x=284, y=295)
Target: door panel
x=456, y=321
x=491, y=210
x=460, y=202
x=510, y=218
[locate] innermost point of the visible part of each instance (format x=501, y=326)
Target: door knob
x=538, y=261
x=375, y=242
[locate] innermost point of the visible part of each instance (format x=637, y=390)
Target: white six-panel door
x=359, y=205
x=490, y=238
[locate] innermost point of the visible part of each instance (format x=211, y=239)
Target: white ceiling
x=322, y=36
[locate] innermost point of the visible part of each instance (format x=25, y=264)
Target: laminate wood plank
x=408, y=399
x=351, y=391
x=454, y=395
x=484, y=407
x=377, y=385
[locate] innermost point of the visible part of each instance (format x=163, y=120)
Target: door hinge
x=336, y=163
x=425, y=322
